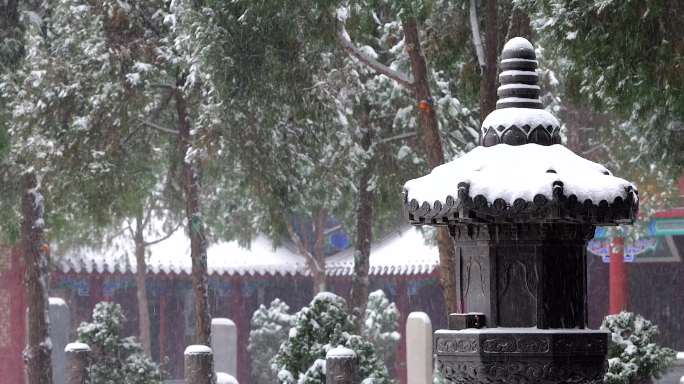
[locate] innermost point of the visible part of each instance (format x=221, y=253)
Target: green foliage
x=115, y=359
x=74, y=105
x=324, y=324
x=269, y=329
x=633, y=355
x=380, y=325
x=624, y=58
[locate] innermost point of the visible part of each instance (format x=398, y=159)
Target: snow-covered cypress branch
x=346, y=43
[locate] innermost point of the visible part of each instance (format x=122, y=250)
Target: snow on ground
x=523, y=171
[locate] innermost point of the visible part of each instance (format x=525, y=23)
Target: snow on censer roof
x=511, y=172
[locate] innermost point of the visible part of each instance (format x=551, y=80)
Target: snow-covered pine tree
x=269, y=329
x=380, y=325
x=116, y=359
x=633, y=355
x=431, y=107
x=618, y=58
x=324, y=324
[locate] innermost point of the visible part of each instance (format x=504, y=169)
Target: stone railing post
x=224, y=345
x=199, y=365
x=77, y=363
x=60, y=324
x=341, y=366
x=419, y=348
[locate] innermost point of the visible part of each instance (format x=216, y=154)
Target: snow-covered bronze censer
x=520, y=208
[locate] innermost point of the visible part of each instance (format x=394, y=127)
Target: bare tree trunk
x=429, y=131
x=195, y=225
x=435, y=157
x=35, y=250
x=141, y=283
x=488, y=79
x=364, y=236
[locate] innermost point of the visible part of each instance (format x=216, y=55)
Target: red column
x=239, y=316
x=12, y=315
x=96, y=289
x=403, y=307
x=162, y=324
x=618, y=277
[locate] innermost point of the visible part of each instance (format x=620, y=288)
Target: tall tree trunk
x=141, y=283
x=364, y=235
x=488, y=79
x=35, y=250
x=435, y=156
x=319, y=249
x=519, y=24
x=195, y=224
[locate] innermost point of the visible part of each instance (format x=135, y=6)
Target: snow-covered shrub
x=269, y=329
x=115, y=359
x=324, y=324
x=633, y=355
x=380, y=325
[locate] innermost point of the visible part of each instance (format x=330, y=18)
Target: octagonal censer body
x=520, y=208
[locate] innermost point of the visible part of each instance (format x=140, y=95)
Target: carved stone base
x=521, y=355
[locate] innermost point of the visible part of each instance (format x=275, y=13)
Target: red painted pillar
x=403, y=307
x=162, y=325
x=618, y=277
x=97, y=288
x=12, y=315
x=239, y=316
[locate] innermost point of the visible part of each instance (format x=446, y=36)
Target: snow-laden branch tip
x=477, y=38
x=342, y=14
x=363, y=57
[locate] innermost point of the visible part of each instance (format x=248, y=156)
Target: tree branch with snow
x=164, y=237
x=300, y=246
x=349, y=47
